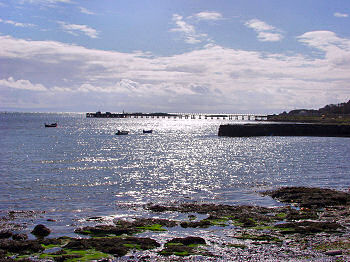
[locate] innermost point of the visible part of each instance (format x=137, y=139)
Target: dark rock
x=115, y=246
x=66, y=257
x=5, y=234
x=236, y=212
x=176, y=250
x=310, y=197
x=188, y=240
x=307, y=227
x=19, y=237
x=247, y=221
x=300, y=215
x=157, y=208
x=20, y=246
x=144, y=222
x=41, y=231
x=103, y=230
x=333, y=252
x=182, y=246
x=201, y=224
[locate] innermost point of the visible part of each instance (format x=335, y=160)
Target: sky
x=223, y=56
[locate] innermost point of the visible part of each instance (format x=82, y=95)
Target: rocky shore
x=313, y=225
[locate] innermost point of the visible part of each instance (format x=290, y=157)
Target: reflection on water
x=82, y=165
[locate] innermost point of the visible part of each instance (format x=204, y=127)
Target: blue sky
x=262, y=56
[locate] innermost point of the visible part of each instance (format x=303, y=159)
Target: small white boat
x=122, y=132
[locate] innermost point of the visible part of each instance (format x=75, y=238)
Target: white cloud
x=212, y=78
x=340, y=15
x=208, y=16
x=86, y=11
x=188, y=31
x=259, y=26
x=18, y=24
x=73, y=28
x=266, y=32
x=46, y=2
x=269, y=37
x=336, y=49
x=21, y=84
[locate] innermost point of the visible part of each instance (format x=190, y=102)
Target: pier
x=229, y=116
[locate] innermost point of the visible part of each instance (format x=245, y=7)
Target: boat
x=122, y=132
x=51, y=125
x=147, y=131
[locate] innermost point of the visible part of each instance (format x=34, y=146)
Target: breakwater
x=284, y=129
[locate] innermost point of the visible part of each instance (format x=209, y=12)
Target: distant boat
x=122, y=132
x=51, y=125
x=147, y=131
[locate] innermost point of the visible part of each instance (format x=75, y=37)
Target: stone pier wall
x=284, y=129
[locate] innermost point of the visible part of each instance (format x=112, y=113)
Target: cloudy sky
x=233, y=56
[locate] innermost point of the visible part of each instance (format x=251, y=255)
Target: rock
x=333, y=252
x=188, y=240
x=310, y=197
x=20, y=246
x=5, y=234
x=201, y=224
x=19, y=237
x=41, y=231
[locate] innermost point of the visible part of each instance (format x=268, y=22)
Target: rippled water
x=81, y=168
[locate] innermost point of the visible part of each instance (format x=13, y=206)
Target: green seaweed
x=154, y=227
x=242, y=246
x=222, y=222
x=281, y=215
x=77, y=255
x=133, y=246
x=50, y=246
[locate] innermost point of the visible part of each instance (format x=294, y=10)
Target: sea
x=81, y=169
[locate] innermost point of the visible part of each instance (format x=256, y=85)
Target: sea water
x=82, y=169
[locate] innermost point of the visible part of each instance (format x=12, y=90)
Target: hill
x=332, y=113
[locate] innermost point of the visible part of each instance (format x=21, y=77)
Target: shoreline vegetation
x=313, y=225
x=329, y=114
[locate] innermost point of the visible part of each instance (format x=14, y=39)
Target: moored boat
x=147, y=131
x=122, y=132
x=51, y=125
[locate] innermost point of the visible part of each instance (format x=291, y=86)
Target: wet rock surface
x=310, y=197
x=41, y=231
x=305, y=231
